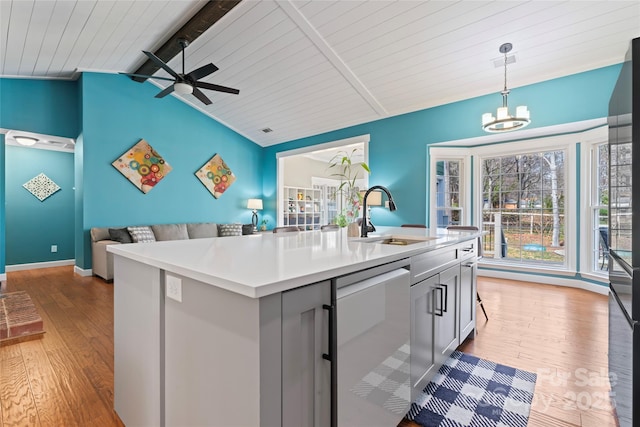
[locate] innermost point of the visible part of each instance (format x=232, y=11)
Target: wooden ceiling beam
x=210, y=13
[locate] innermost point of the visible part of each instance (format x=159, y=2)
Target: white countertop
x=261, y=264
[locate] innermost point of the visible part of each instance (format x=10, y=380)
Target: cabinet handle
x=435, y=306
x=469, y=249
x=470, y=264
x=332, y=310
x=446, y=298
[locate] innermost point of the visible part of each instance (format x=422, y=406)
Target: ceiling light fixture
x=25, y=140
x=183, y=88
x=504, y=122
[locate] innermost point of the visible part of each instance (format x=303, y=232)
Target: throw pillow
x=170, y=232
x=202, y=230
x=226, y=230
x=142, y=234
x=247, y=229
x=120, y=235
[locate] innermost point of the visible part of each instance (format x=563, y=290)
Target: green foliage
x=347, y=172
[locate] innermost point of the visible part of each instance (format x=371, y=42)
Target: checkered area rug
x=388, y=385
x=468, y=391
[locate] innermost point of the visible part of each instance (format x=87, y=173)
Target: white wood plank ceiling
x=306, y=67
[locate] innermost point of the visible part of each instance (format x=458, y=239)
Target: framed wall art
x=143, y=166
x=216, y=176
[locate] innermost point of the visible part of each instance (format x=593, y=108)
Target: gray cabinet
x=468, y=289
x=443, y=295
x=423, y=363
x=446, y=330
x=306, y=376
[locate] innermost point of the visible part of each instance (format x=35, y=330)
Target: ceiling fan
x=185, y=83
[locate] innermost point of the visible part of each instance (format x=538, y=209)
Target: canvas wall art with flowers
x=143, y=166
x=216, y=176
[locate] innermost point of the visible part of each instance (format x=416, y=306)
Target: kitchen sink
x=397, y=240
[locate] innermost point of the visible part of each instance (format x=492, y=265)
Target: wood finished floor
x=556, y=332
x=66, y=378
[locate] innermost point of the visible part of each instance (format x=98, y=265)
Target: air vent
x=499, y=62
x=267, y=130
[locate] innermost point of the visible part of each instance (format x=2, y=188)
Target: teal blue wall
x=398, y=146
x=32, y=226
x=116, y=113
x=41, y=106
x=49, y=107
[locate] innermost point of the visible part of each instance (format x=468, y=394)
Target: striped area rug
x=18, y=317
x=468, y=391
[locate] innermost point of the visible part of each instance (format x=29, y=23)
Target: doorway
x=307, y=186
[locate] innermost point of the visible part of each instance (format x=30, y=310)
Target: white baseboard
x=34, y=265
x=82, y=272
x=3, y=277
x=548, y=280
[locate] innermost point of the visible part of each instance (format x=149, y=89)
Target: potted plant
x=263, y=225
x=348, y=173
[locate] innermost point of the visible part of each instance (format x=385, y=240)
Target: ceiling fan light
x=25, y=140
x=183, y=88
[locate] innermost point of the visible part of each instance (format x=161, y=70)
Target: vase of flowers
x=348, y=172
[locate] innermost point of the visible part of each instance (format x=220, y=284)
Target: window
x=599, y=207
x=523, y=198
x=448, y=205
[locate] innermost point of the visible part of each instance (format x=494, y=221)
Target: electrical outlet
x=174, y=287
x=386, y=204
x=54, y=248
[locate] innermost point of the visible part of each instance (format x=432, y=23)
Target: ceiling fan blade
x=165, y=92
x=201, y=96
x=147, y=77
x=203, y=71
x=160, y=63
x=219, y=88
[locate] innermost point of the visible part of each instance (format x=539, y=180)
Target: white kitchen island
x=215, y=354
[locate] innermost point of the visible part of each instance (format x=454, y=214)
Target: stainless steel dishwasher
x=371, y=339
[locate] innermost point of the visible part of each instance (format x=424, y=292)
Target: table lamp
x=254, y=204
x=374, y=199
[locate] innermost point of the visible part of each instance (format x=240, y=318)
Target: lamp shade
x=374, y=198
x=254, y=204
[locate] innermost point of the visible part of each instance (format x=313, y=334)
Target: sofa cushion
x=225, y=230
x=202, y=230
x=120, y=235
x=141, y=234
x=100, y=233
x=170, y=231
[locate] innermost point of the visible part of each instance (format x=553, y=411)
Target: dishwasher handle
x=373, y=281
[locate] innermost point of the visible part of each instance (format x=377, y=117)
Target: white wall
x=298, y=171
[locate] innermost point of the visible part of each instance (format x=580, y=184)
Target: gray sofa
x=102, y=261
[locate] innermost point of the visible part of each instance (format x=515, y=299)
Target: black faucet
x=364, y=227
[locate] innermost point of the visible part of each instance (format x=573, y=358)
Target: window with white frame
x=449, y=208
x=522, y=194
x=523, y=198
x=595, y=237
x=450, y=195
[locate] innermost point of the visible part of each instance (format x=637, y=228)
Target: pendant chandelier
x=503, y=121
